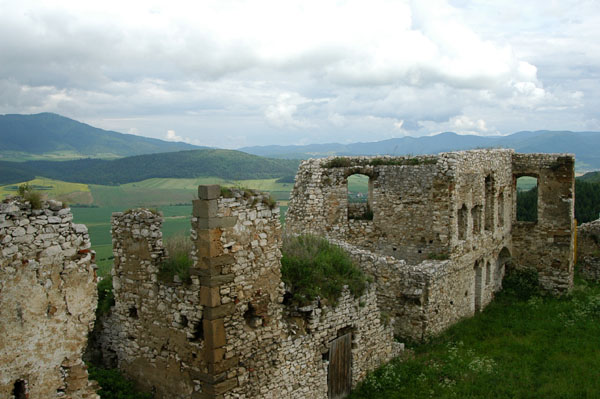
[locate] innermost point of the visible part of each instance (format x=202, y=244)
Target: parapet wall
x=227, y=334
x=47, y=302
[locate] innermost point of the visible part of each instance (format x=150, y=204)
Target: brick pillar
x=209, y=268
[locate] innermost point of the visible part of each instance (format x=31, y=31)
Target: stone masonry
x=227, y=333
x=588, y=249
x=443, y=227
x=47, y=302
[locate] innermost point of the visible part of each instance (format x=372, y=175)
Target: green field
x=173, y=197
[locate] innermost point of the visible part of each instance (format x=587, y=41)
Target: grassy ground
x=540, y=347
x=51, y=188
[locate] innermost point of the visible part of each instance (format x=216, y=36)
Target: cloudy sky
x=233, y=73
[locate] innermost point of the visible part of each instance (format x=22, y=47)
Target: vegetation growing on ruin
x=311, y=267
x=31, y=195
x=114, y=385
x=342, y=162
x=179, y=260
x=523, y=345
x=106, y=297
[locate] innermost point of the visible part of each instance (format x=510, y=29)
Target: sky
x=234, y=73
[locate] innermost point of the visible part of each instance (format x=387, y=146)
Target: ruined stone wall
x=154, y=327
x=457, y=206
x=547, y=245
x=415, y=202
x=588, y=249
x=250, y=344
x=427, y=298
x=47, y=302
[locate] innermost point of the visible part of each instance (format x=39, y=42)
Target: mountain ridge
x=582, y=144
x=49, y=133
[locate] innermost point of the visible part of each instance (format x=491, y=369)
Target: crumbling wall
x=251, y=345
x=547, y=245
x=155, y=327
x=47, y=302
x=449, y=224
x=588, y=249
x=427, y=298
x=415, y=202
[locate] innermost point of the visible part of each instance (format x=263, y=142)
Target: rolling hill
x=226, y=164
x=583, y=144
x=52, y=136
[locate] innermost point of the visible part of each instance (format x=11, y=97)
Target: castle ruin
x=437, y=234
x=443, y=228
x=47, y=302
x=226, y=333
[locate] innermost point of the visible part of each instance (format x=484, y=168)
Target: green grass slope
x=60, y=137
x=540, y=347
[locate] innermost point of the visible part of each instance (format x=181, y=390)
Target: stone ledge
x=219, y=312
x=209, y=191
x=215, y=281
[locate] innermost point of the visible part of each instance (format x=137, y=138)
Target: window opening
x=476, y=216
x=489, y=202
x=360, y=197
x=462, y=223
x=527, y=199
x=501, y=210
x=20, y=389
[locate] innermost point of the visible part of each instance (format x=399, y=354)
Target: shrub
x=311, y=267
x=521, y=283
x=179, y=259
x=226, y=192
x=338, y=162
x=438, y=256
x=28, y=193
x=106, y=297
x=114, y=385
x=269, y=201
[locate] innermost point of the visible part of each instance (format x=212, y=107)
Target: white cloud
x=222, y=72
x=171, y=136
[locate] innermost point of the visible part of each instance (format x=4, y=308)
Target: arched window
x=20, y=389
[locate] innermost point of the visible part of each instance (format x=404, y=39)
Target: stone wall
x=47, y=302
x=427, y=298
x=547, y=245
x=227, y=334
x=459, y=207
x=588, y=249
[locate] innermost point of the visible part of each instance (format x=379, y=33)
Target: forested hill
x=51, y=133
x=227, y=164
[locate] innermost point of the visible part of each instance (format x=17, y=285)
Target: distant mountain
x=46, y=133
x=227, y=164
x=590, y=177
x=583, y=144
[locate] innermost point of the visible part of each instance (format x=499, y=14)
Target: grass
x=179, y=248
x=342, y=162
x=52, y=188
x=114, y=385
x=311, y=267
x=520, y=346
